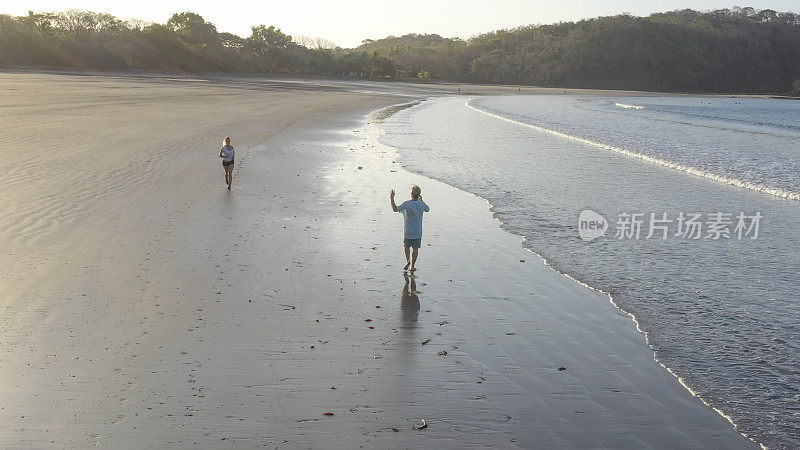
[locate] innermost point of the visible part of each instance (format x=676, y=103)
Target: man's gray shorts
x=413, y=243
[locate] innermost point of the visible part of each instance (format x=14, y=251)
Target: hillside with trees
x=738, y=50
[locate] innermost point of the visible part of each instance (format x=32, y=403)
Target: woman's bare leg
x=229, y=174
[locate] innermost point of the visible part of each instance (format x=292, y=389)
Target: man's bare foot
x=406, y=266
x=413, y=268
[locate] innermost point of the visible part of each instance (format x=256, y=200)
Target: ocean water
x=701, y=203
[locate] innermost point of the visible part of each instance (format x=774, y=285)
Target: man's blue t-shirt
x=412, y=211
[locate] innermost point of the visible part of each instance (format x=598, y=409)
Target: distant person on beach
x=226, y=153
x=412, y=213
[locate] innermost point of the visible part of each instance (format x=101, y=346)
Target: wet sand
x=143, y=304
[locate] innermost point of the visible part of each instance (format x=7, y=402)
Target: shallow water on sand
x=722, y=313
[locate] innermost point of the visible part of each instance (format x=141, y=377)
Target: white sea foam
x=753, y=186
x=623, y=105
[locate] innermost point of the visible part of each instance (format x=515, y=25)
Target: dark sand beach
x=145, y=305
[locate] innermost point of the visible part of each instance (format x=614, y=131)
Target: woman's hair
x=225, y=139
x=415, y=191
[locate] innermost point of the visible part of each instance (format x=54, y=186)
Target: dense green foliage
x=738, y=50
x=187, y=43
x=731, y=50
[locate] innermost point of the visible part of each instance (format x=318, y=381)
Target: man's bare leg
x=408, y=259
x=413, y=258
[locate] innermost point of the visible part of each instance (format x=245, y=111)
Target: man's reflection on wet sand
x=408, y=343
x=409, y=306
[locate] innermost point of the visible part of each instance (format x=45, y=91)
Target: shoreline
x=444, y=144
x=170, y=311
x=610, y=298
x=377, y=116
x=523, y=240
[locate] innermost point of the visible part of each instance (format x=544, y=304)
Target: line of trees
x=738, y=50
x=186, y=43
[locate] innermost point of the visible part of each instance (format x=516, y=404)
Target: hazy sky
x=348, y=22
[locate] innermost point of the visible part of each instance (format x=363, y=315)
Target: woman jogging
x=226, y=153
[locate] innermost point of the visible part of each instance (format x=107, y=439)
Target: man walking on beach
x=412, y=213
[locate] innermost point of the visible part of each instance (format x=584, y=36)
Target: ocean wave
x=720, y=178
x=623, y=105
